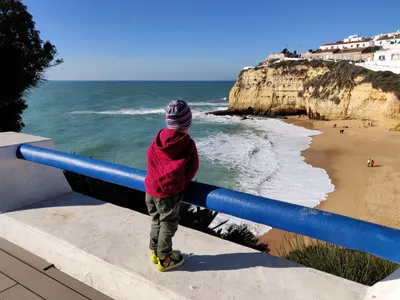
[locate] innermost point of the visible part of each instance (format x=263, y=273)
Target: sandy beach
x=371, y=194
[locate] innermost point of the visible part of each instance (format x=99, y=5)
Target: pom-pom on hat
x=178, y=115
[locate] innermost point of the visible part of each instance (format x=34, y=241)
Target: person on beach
x=368, y=162
x=372, y=163
x=172, y=162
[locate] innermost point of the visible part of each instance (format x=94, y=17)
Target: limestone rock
x=322, y=90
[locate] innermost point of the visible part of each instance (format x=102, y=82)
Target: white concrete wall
x=387, y=289
x=395, y=40
x=393, y=66
x=22, y=182
x=106, y=246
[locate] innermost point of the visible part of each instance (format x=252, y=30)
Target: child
x=172, y=162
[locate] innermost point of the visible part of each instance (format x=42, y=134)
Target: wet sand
x=371, y=194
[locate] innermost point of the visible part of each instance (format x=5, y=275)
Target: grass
x=353, y=265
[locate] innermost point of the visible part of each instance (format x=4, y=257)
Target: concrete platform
x=106, y=246
x=24, y=276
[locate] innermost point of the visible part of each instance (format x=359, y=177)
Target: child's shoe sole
x=162, y=269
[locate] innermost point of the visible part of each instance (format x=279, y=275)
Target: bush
x=353, y=265
x=385, y=80
x=191, y=216
x=241, y=234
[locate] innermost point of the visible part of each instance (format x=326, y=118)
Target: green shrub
x=385, y=80
x=353, y=265
x=240, y=234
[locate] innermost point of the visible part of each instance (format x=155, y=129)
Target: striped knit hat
x=178, y=115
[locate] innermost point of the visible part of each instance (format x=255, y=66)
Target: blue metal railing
x=340, y=230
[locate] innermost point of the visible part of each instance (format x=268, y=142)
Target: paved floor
x=25, y=276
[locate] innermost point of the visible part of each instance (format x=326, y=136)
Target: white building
x=387, y=40
x=375, y=37
x=351, y=43
x=353, y=38
x=389, y=53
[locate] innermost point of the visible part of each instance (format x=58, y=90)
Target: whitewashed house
x=353, y=38
x=387, y=40
x=389, y=53
x=353, y=41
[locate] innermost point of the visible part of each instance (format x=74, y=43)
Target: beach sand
x=370, y=194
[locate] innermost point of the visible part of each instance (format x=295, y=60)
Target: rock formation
x=323, y=90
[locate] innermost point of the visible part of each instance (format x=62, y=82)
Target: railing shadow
x=394, y=276
x=234, y=261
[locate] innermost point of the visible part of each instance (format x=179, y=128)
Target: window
x=382, y=57
x=396, y=56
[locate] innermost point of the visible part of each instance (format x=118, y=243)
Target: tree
x=284, y=51
x=310, y=50
x=24, y=57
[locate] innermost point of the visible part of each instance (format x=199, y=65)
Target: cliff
x=323, y=90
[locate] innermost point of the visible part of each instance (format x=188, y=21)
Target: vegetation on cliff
x=24, y=57
x=340, y=75
x=354, y=265
x=293, y=87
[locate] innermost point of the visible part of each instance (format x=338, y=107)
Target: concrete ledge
x=106, y=246
x=387, y=289
x=23, y=182
x=11, y=138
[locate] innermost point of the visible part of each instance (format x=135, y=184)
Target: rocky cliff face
x=322, y=90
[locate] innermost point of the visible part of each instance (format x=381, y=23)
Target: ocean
x=116, y=122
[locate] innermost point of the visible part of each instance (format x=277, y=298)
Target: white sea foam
x=266, y=155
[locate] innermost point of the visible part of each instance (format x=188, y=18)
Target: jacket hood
x=171, y=142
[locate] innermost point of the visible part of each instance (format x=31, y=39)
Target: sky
x=194, y=39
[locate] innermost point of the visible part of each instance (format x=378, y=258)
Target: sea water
x=116, y=122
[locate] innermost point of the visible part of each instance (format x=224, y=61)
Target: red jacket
x=172, y=162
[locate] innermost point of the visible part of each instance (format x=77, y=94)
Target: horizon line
x=136, y=80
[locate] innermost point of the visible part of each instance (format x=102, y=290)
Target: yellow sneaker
x=154, y=258
x=173, y=261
